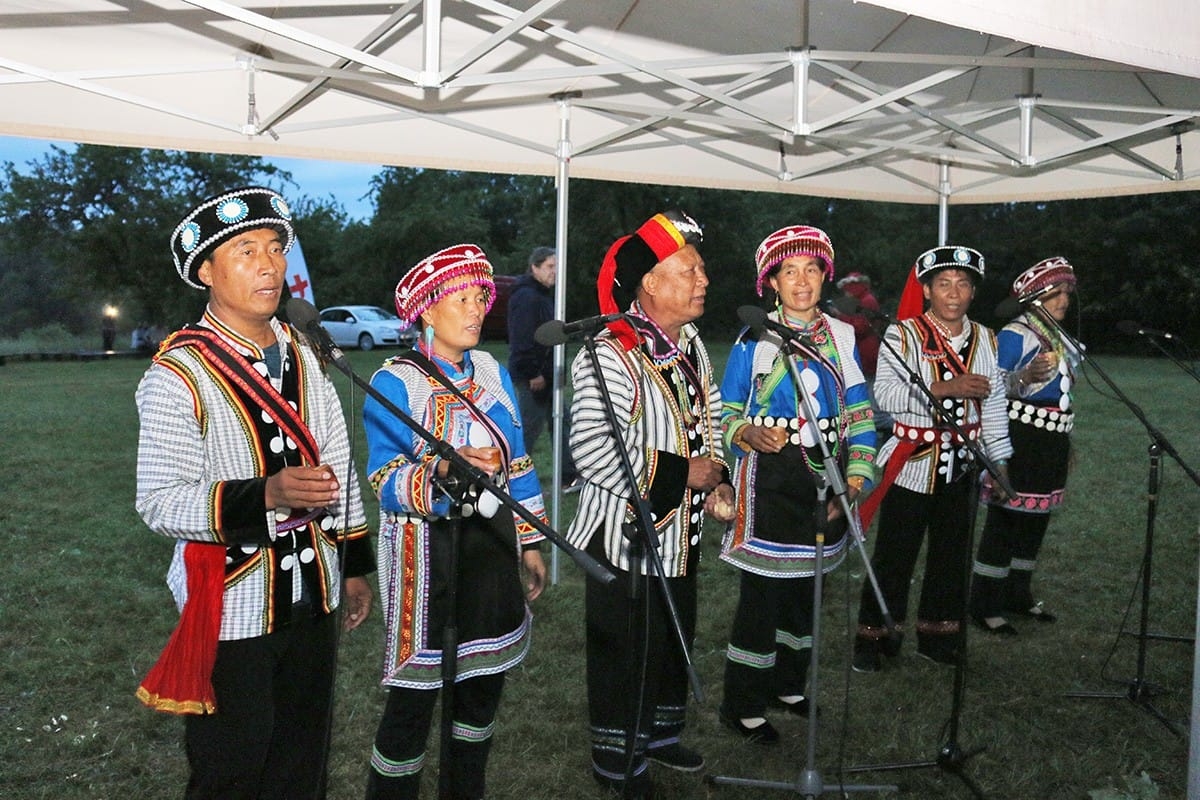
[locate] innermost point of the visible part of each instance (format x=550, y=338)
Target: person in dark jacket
x=531, y=364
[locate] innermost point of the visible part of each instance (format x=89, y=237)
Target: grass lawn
x=84, y=611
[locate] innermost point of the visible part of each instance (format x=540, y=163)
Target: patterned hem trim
x=938, y=627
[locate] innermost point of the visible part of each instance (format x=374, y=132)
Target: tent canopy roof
x=822, y=97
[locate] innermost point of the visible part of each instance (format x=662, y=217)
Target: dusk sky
x=346, y=183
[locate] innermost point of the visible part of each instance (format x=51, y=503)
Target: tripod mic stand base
x=1138, y=693
x=951, y=758
x=809, y=784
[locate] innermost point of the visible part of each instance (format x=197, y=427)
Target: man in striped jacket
x=667, y=407
x=926, y=485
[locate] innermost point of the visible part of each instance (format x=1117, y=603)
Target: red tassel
x=608, y=305
x=180, y=682
x=912, y=300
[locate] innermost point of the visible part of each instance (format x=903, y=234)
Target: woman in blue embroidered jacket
x=773, y=539
x=450, y=292
x=1039, y=373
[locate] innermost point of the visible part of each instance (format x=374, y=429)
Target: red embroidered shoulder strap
x=256, y=387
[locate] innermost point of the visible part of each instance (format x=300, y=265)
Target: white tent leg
x=561, y=187
x=1193, y=789
x=943, y=203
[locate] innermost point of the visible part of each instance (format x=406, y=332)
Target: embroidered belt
x=1041, y=417
x=931, y=435
x=792, y=425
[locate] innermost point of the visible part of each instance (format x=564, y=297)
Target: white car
x=365, y=327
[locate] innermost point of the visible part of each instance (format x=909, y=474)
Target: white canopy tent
x=923, y=101
x=825, y=97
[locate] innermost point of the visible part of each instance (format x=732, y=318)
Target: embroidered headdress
x=796, y=240
x=853, y=277
x=932, y=261
x=222, y=216
x=445, y=272
x=1047, y=272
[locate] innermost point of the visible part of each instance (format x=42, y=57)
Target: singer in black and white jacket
x=926, y=465
x=667, y=409
x=244, y=461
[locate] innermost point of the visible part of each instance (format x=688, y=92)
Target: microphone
x=1009, y=307
x=1134, y=329
x=303, y=315
x=555, y=331
x=757, y=319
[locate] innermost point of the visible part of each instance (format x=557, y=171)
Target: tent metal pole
x=943, y=203
x=431, y=58
x=1193, y=783
x=561, y=208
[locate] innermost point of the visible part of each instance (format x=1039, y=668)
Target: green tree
x=104, y=216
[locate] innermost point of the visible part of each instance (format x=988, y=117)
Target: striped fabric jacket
x=909, y=408
x=653, y=432
x=196, y=454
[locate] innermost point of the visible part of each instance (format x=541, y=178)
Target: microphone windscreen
x=301, y=313
x=752, y=316
x=550, y=333
x=1008, y=308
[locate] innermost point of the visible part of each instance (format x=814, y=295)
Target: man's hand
x=302, y=487
x=356, y=597
x=719, y=505
x=537, y=384
x=968, y=385
x=703, y=473
x=534, y=573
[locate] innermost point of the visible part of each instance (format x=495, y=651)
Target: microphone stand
x=642, y=539
x=951, y=757
x=1138, y=690
x=464, y=484
x=809, y=783
x=1189, y=370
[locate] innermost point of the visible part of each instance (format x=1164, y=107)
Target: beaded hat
x=853, y=277
x=219, y=218
x=1047, y=272
x=445, y=272
x=932, y=261
x=795, y=240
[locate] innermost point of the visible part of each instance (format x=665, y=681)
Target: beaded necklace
x=827, y=356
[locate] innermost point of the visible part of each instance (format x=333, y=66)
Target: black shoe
x=1003, y=628
x=866, y=656
x=800, y=708
x=676, y=756
x=764, y=734
x=640, y=789
x=1036, y=611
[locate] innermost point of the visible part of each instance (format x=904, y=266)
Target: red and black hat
x=631, y=257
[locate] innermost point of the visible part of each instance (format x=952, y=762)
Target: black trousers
x=269, y=735
x=401, y=739
x=620, y=670
x=904, y=518
x=770, y=644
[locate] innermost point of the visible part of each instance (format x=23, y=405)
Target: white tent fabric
x=825, y=97
x=1159, y=35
